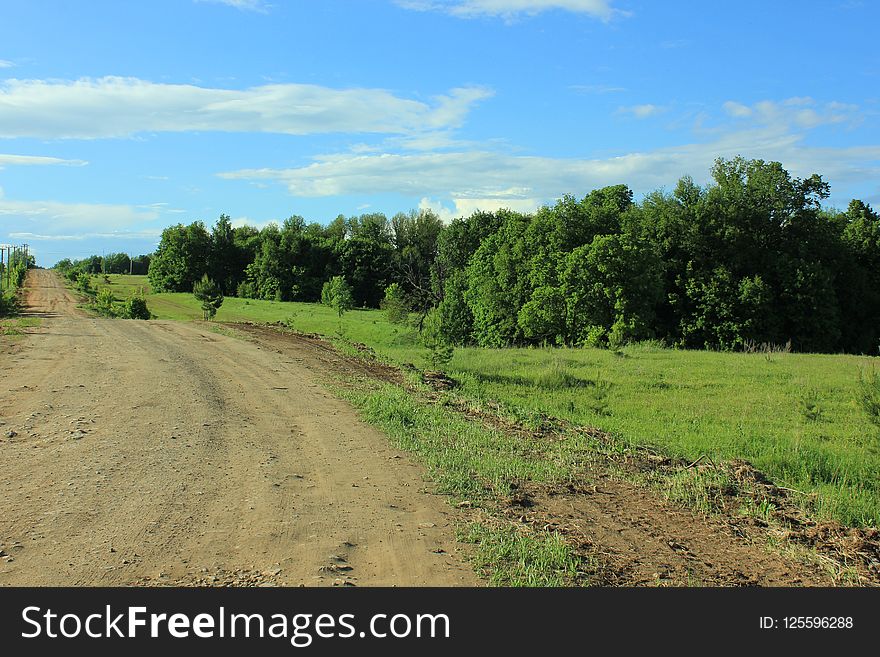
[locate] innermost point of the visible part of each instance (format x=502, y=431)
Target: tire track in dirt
x=161, y=453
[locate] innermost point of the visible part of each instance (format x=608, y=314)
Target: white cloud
x=5, y=63
x=150, y=234
x=737, y=110
x=799, y=101
x=53, y=218
x=599, y=89
x=477, y=178
x=121, y=107
x=641, y=111
x=238, y=222
x=36, y=160
x=795, y=113
x=244, y=5
x=510, y=8
x=464, y=207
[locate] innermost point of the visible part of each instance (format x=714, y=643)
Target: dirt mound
x=316, y=352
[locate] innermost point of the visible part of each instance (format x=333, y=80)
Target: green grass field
x=794, y=416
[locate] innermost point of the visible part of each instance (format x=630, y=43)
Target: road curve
x=157, y=452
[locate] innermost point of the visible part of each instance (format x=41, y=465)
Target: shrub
x=8, y=304
x=811, y=405
x=84, y=283
x=104, y=302
x=246, y=290
x=208, y=292
x=337, y=294
x=394, y=304
x=440, y=351
x=135, y=307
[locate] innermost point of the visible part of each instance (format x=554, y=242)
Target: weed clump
x=557, y=376
x=811, y=405
x=702, y=489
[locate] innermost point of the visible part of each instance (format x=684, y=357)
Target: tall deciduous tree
x=181, y=258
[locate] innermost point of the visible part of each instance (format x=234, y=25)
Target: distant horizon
x=118, y=120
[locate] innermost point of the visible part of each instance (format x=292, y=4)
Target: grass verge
x=478, y=467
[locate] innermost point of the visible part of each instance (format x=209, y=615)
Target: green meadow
x=794, y=416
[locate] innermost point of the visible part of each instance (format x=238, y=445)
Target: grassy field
x=794, y=416
x=366, y=326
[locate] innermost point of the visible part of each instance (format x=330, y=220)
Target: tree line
x=752, y=257
x=111, y=263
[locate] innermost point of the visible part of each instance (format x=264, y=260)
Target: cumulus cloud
x=36, y=160
x=464, y=207
x=121, y=107
x=509, y=8
x=485, y=178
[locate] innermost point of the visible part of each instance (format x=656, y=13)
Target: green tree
x=366, y=259
x=456, y=244
x=440, y=349
x=181, y=258
x=859, y=279
x=498, y=283
x=337, y=294
x=611, y=288
x=543, y=316
x=415, y=237
x=209, y=294
x=223, y=258
x=456, y=321
x=394, y=304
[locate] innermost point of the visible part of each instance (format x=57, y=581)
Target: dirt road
x=157, y=452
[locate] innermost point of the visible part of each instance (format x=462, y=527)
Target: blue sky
x=118, y=119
